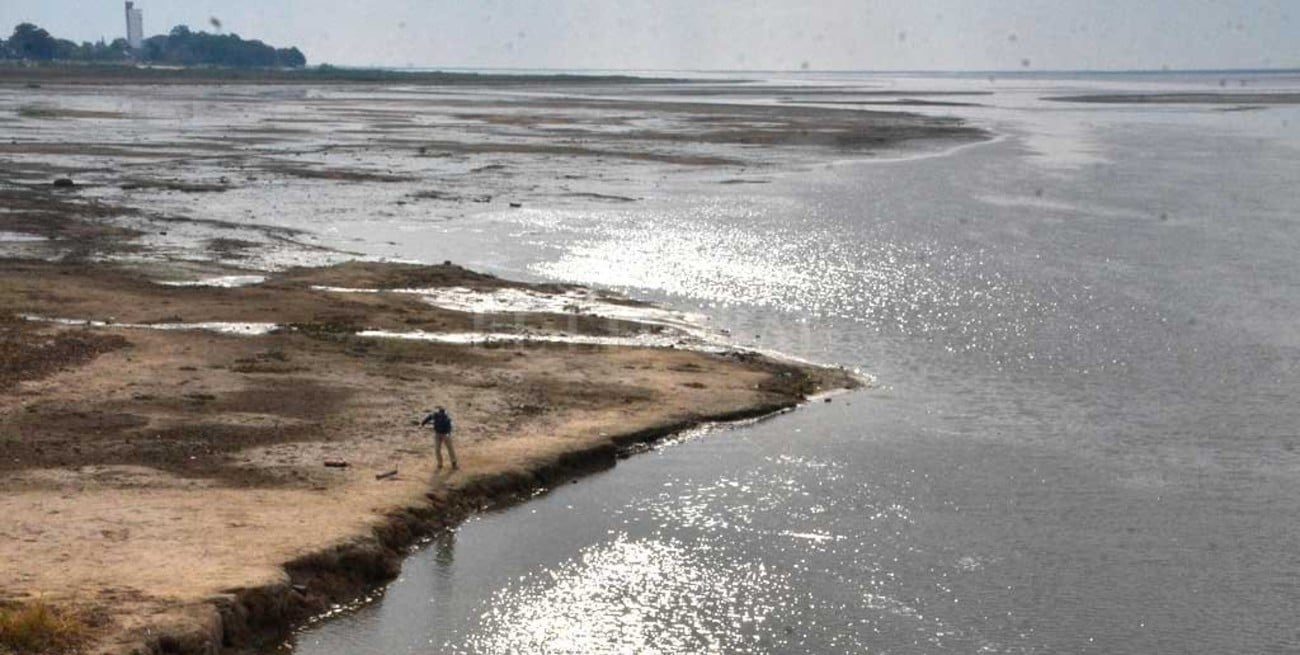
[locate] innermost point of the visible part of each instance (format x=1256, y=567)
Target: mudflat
x=206, y=409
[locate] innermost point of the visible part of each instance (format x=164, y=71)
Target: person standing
x=441, y=435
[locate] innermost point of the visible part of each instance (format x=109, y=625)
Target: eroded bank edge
x=247, y=620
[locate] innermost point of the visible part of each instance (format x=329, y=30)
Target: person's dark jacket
x=440, y=420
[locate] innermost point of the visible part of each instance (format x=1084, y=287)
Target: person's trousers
x=439, y=440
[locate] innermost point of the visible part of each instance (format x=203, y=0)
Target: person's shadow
x=444, y=550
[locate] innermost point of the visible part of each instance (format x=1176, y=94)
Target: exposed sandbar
x=167, y=480
x=1186, y=98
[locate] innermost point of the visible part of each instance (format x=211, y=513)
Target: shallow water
x=1087, y=344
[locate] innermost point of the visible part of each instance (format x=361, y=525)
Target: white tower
x=134, y=26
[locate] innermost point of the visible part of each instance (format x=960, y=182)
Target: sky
x=724, y=34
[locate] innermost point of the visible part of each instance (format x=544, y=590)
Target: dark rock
x=64, y=183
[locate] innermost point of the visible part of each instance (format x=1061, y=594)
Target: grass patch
x=38, y=627
x=28, y=352
x=790, y=381
x=330, y=330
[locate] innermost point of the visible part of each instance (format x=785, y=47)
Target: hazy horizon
x=726, y=35
x=813, y=71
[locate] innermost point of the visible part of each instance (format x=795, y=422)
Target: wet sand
x=172, y=483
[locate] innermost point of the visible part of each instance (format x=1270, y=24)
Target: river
x=1084, y=338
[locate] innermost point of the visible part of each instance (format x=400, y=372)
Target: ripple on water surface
x=635, y=595
x=749, y=252
x=757, y=560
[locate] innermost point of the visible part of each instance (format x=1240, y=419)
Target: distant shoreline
x=66, y=73
x=115, y=73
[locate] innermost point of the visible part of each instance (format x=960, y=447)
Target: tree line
x=180, y=47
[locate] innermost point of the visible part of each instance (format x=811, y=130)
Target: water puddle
x=574, y=301
x=223, y=281
x=222, y=327
x=479, y=338
x=19, y=237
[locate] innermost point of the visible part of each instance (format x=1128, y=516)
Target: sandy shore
x=164, y=444
x=174, y=483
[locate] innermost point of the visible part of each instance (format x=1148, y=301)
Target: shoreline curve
x=257, y=617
